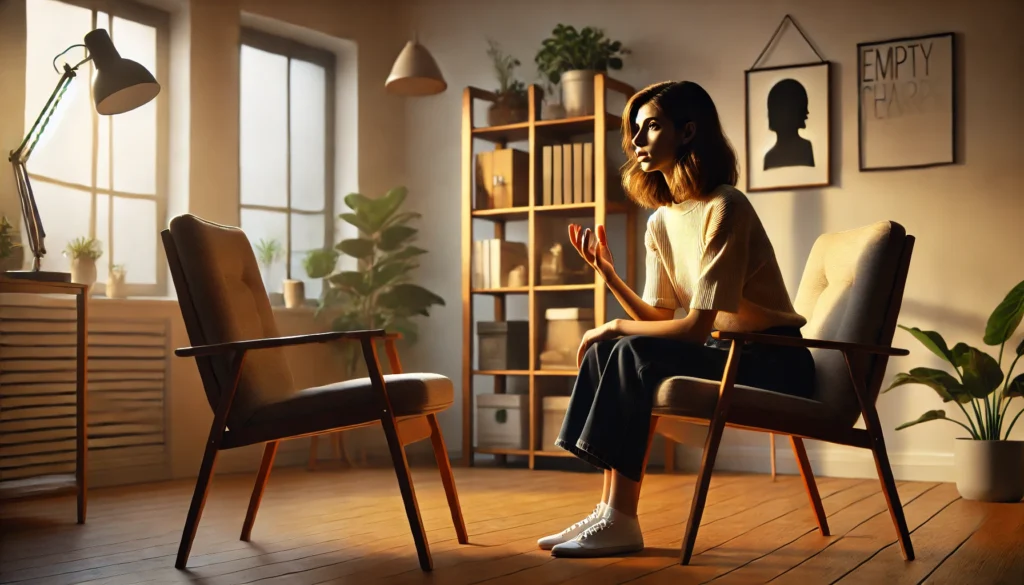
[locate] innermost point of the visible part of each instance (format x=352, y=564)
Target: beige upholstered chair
x=249, y=386
x=850, y=293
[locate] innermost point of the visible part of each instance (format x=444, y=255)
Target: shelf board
x=520, y=290
x=502, y=214
x=572, y=373
x=563, y=287
x=501, y=372
x=559, y=128
x=580, y=209
x=33, y=487
x=500, y=451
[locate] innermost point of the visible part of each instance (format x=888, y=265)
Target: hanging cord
x=65, y=51
x=776, y=34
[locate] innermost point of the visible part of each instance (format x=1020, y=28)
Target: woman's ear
x=688, y=132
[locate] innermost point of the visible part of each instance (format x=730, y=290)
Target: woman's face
x=656, y=141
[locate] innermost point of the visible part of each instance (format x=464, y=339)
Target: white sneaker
x=573, y=531
x=613, y=534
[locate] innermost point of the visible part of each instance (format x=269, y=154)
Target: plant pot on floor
x=578, y=92
x=989, y=471
x=83, y=271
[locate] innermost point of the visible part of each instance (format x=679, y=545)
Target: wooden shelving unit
x=534, y=133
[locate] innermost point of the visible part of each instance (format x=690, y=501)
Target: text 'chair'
x=249, y=385
x=851, y=292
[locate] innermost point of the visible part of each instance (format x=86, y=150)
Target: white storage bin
x=554, y=413
x=502, y=421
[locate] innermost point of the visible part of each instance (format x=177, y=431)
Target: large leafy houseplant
x=979, y=381
x=380, y=294
x=568, y=49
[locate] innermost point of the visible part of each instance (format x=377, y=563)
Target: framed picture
x=789, y=124
x=906, y=104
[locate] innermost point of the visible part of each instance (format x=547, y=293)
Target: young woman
x=710, y=260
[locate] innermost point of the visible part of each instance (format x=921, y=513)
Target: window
x=92, y=175
x=286, y=152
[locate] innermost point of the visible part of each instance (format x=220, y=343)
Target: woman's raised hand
x=594, y=248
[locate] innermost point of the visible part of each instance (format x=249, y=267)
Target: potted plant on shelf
x=10, y=249
x=115, y=282
x=988, y=465
x=572, y=58
x=512, y=105
x=83, y=253
x=381, y=294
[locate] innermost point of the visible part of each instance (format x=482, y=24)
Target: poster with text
x=906, y=102
x=788, y=127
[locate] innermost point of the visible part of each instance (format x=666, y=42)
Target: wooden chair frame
x=398, y=432
x=857, y=357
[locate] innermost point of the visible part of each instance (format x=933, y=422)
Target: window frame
x=161, y=22
x=292, y=49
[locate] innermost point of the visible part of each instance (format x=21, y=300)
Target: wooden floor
x=348, y=526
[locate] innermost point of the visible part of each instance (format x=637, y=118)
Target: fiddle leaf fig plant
x=978, y=380
x=380, y=294
x=568, y=49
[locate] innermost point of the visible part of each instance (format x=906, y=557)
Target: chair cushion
x=343, y=404
x=695, y=399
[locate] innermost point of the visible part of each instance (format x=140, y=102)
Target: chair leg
x=412, y=509
x=195, y=509
x=257, y=489
x=771, y=445
x=812, y=488
x=892, y=496
x=447, y=478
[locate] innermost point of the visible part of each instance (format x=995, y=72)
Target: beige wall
x=967, y=217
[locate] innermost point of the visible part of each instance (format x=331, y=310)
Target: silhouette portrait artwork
x=787, y=114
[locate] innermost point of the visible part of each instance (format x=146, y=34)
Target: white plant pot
x=578, y=92
x=294, y=293
x=989, y=471
x=83, y=271
x=116, y=286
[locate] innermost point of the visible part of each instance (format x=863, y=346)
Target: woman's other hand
x=607, y=331
x=594, y=248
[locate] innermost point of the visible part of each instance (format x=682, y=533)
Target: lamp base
x=37, y=275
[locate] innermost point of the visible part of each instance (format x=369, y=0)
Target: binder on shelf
x=546, y=159
x=556, y=174
x=502, y=179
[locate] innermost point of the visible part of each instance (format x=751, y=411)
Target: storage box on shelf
x=503, y=421
x=504, y=184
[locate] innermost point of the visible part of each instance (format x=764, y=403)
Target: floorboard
x=348, y=526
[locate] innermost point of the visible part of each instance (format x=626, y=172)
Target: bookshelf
x=543, y=223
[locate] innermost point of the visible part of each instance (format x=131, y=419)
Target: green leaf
x=355, y=281
x=982, y=373
x=930, y=415
x=933, y=341
x=945, y=385
x=374, y=212
x=393, y=237
x=385, y=274
x=1006, y=317
x=1016, y=387
x=402, y=218
x=409, y=299
x=356, y=247
x=1020, y=347
x=360, y=222
x=405, y=253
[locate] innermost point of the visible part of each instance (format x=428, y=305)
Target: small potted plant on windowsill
x=115, y=282
x=988, y=465
x=268, y=252
x=512, y=105
x=83, y=253
x=572, y=58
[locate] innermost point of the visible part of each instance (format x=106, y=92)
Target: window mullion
x=288, y=169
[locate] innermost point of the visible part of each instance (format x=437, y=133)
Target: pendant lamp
x=415, y=73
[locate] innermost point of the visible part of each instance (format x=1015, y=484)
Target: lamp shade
x=121, y=84
x=415, y=73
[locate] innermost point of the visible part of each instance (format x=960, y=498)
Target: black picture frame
x=788, y=168
x=912, y=133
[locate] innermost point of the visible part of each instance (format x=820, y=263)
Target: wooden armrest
x=251, y=344
x=803, y=342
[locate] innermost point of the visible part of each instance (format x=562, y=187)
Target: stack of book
x=567, y=173
x=499, y=264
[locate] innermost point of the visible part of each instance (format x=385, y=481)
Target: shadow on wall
x=808, y=224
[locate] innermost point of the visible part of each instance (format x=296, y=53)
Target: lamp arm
x=24, y=150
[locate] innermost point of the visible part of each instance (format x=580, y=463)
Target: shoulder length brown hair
x=703, y=164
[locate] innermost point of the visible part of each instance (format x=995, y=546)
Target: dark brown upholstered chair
x=228, y=318
x=850, y=293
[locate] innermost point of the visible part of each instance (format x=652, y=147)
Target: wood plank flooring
x=348, y=526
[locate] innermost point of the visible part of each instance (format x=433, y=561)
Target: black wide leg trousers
x=609, y=415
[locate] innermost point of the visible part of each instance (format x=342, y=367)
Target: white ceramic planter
x=83, y=271
x=989, y=471
x=578, y=92
x=115, y=285
x=294, y=293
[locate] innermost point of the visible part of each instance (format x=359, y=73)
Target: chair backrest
x=852, y=290
x=222, y=299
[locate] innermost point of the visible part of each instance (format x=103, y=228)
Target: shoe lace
x=592, y=530
x=593, y=515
